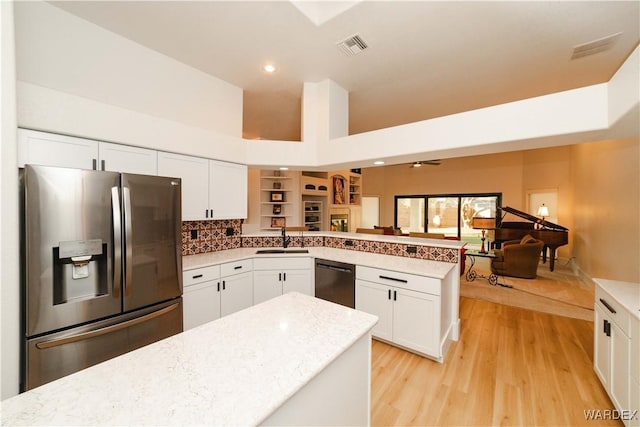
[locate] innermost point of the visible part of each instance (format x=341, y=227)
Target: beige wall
x=606, y=208
x=478, y=174
x=598, y=195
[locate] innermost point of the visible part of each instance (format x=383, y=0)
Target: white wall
x=50, y=110
x=9, y=243
x=58, y=51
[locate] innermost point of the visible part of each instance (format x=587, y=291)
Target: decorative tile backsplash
x=273, y=241
x=390, y=248
x=200, y=237
x=210, y=236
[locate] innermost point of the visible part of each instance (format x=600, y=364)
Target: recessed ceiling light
x=284, y=168
x=416, y=165
x=269, y=68
x=378, y=162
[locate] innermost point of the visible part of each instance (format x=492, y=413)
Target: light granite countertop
x=422, y=267
x=626, y=294
x=234, y=371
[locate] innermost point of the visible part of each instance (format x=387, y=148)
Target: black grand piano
x=553, y=235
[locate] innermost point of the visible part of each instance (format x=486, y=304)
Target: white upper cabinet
x=210, y=189
x=49, y=149
x=194, y=172
x=227, y=190
x=124, y=158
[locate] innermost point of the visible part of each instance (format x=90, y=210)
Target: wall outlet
x=229, y=231
x=412, y=249
x=194, y=234
x=348, y=242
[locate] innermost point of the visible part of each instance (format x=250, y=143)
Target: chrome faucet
x=285, y=239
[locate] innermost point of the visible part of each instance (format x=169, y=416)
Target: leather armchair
x=518, y=258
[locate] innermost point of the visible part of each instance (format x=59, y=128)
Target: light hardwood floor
x=511, y=366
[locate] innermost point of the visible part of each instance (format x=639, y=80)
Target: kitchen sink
x=282, y=251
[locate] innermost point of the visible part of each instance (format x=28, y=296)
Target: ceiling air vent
x=352, y=45
x=594, y=46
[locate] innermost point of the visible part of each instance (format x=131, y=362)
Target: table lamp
x=484, y=224
x=543, y=211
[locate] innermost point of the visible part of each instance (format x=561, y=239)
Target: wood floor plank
x=511, y=367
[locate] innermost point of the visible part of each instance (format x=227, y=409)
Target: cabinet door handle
x=279, y=277
x=206, y=213
x=211, y=211
x=393, y=279
x=237, y=267
x=607, y=327
x=197, y=276
x=395, y=295
x=103, y=165
x=224, y=285
x=389, y=294
x=606, y=304
x=95, y=164
x=218, y=286
x=284, y=277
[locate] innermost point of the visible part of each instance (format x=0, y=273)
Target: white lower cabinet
x=216, y=291
x=236, y=289
x=273, y=277
x=614, y=352
x=407, y=306
x=634, y=387
x=200, y=297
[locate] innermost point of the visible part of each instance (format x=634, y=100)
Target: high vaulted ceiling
x=424, y=59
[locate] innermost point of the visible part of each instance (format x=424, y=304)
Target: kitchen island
x=290, y=360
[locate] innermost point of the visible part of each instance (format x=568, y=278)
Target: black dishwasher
x=335, y=282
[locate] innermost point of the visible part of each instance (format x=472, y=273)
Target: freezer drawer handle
x=91, y=334
x=606, y=304
x=393, y=278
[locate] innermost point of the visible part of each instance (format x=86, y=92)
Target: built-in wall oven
x=335, y=282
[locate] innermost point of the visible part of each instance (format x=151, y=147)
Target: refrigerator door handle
x=108, y=329
x=117, y=242
x=128, y=261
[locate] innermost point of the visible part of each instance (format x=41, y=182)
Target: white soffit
x=320, y=12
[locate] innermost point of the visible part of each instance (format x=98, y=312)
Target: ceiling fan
x=425, y=162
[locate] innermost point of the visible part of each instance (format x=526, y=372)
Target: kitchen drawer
x=613, y=309
x=199, y=275
x=237, y=267
x=397, y=279
x=280, y=263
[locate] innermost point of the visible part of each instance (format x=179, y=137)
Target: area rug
x=557, y=292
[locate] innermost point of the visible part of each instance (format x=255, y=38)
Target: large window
x=449, y=214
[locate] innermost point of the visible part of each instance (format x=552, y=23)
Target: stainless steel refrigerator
x=102, y=267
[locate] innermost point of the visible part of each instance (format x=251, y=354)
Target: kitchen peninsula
x=411, y=284
x=291, y=360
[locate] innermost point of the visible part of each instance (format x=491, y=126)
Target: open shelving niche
x=315, y=189
x=287, y=184
x=350, y=196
